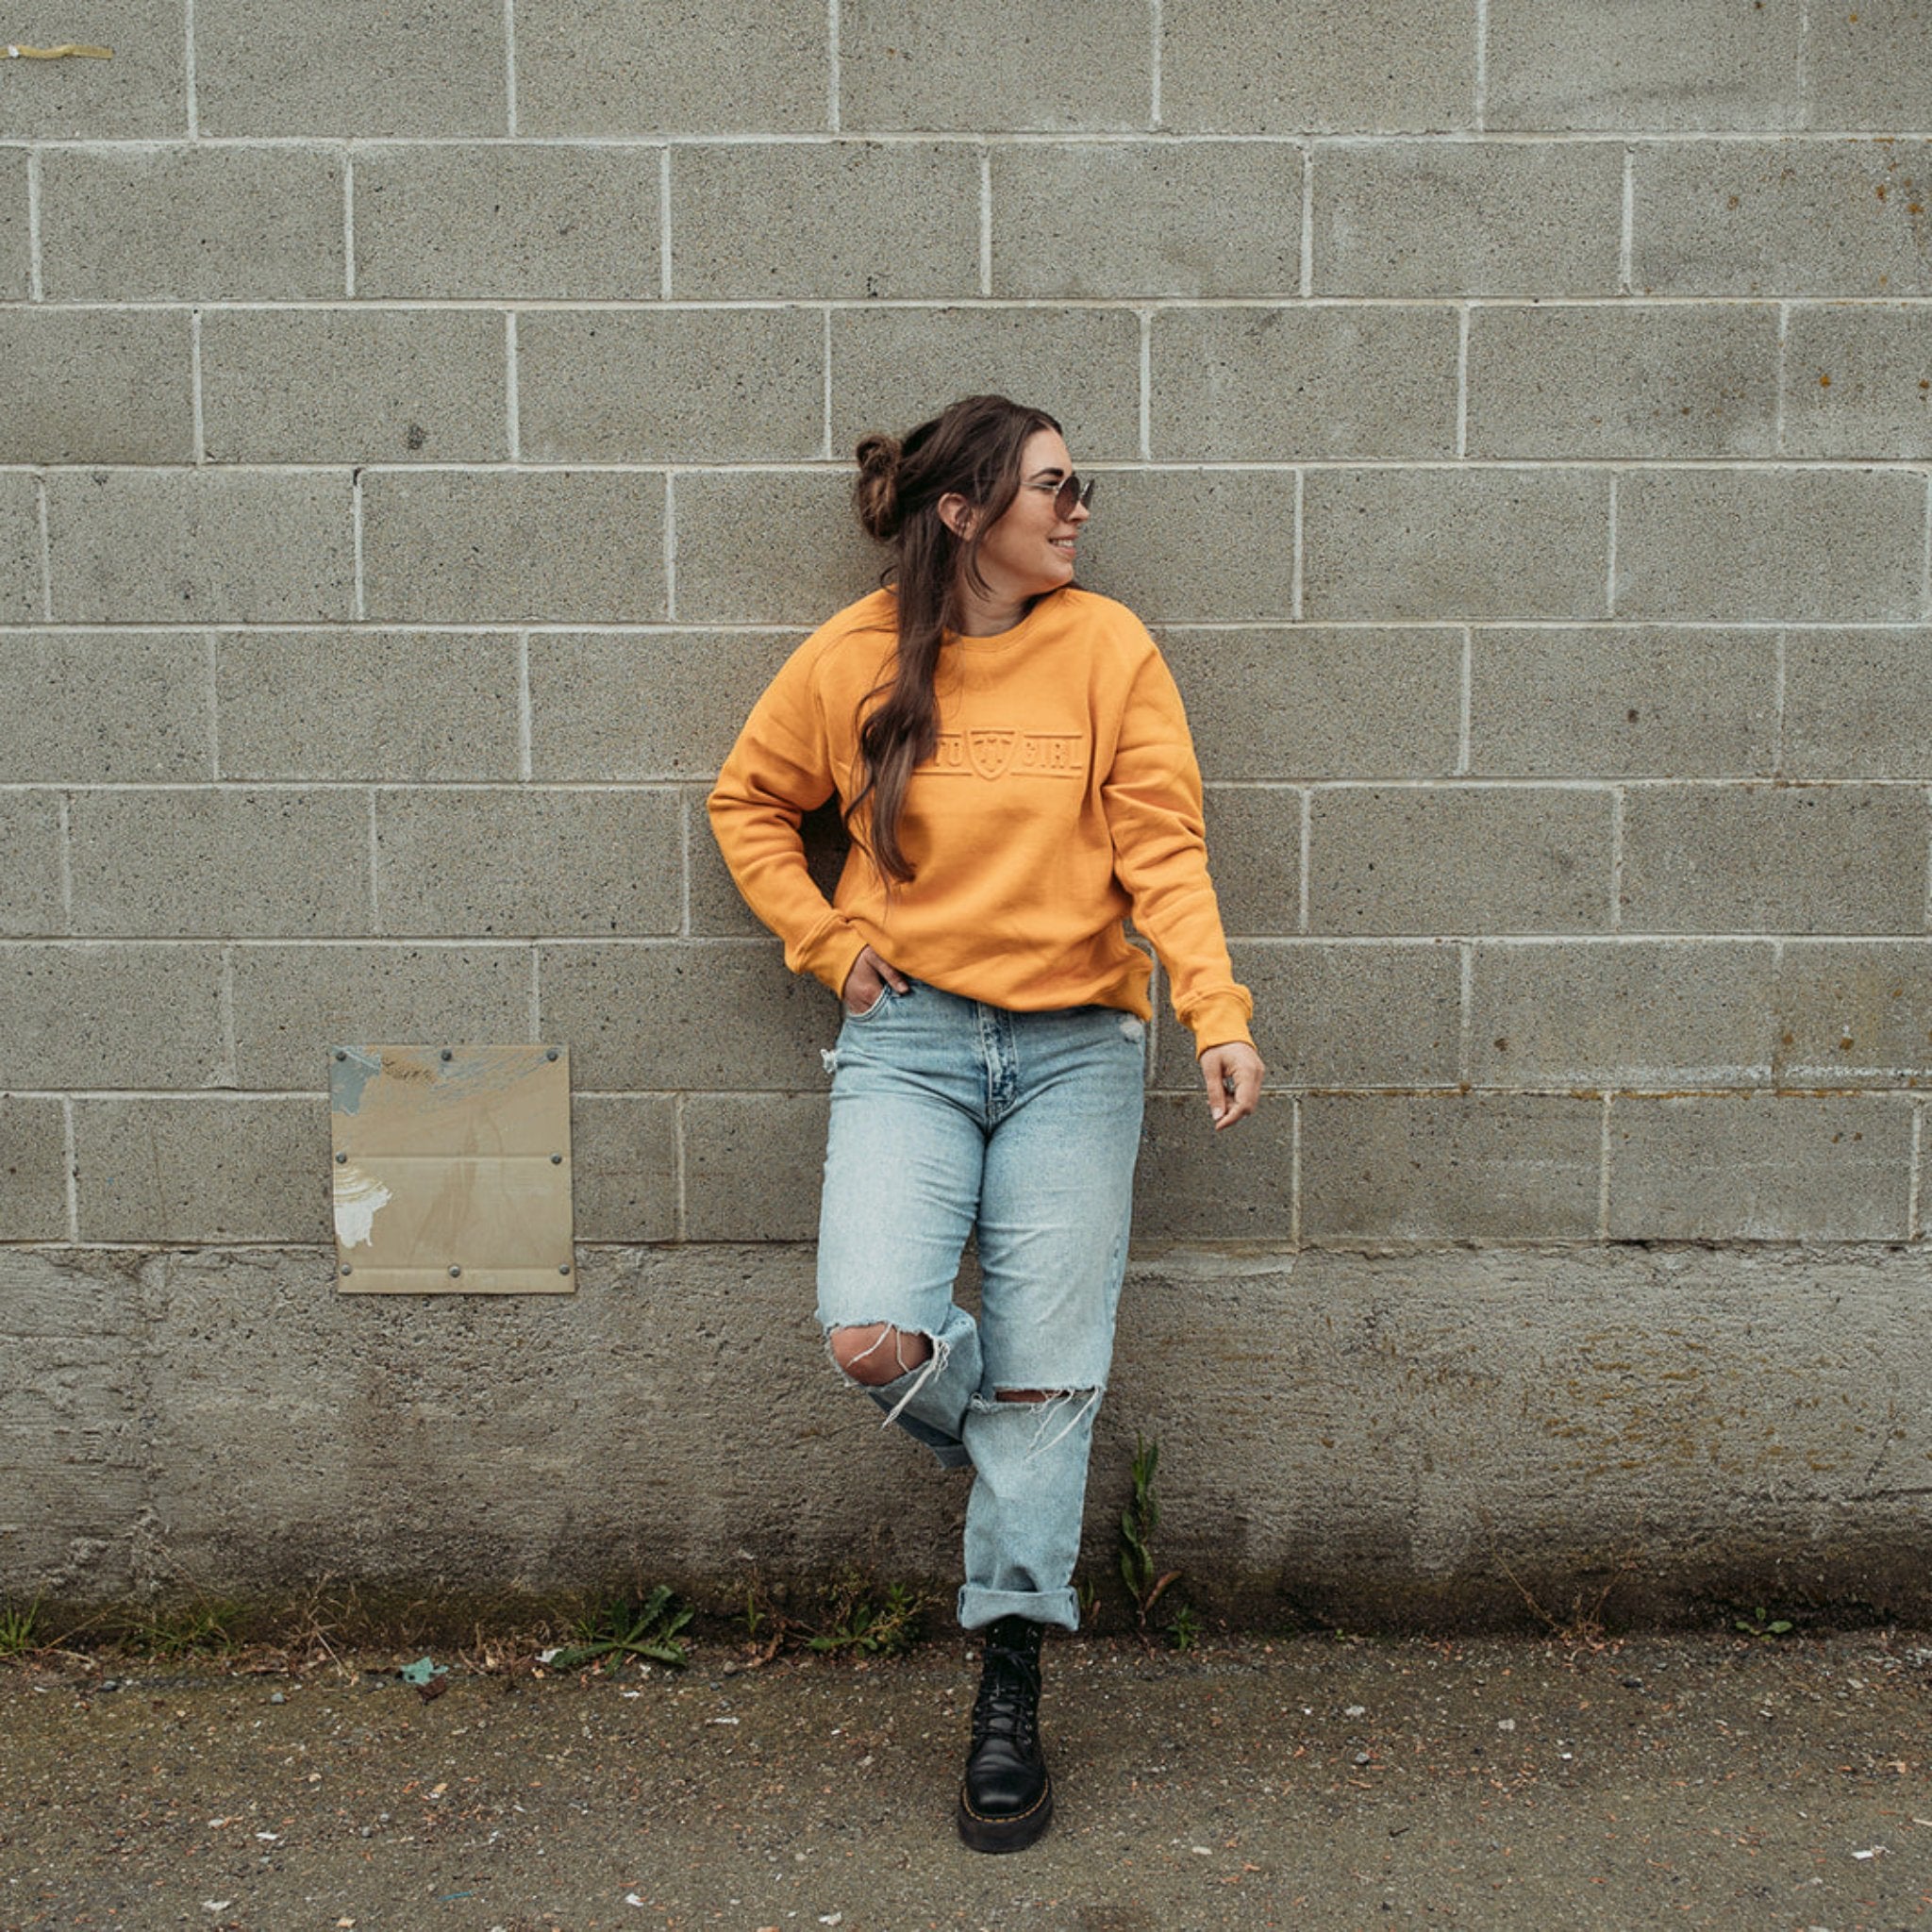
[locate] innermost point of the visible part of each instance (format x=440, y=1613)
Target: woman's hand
x=868, y=979
x=1233, y=1074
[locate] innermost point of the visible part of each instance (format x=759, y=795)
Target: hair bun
x=877, y=491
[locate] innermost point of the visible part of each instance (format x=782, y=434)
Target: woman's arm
x=779, y=770
x=1152, y=798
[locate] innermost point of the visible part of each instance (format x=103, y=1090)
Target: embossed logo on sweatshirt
x=991, y=752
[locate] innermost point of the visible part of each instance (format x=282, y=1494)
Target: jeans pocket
x=887, y=997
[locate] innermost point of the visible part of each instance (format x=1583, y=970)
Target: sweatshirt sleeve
x=1152, y=798
x=779, y=770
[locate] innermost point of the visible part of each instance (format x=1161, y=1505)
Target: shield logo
x=990, y=752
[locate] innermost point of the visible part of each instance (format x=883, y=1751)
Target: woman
x=1014, y=767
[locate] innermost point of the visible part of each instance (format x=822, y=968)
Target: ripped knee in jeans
x=1060, y=1410
x=875, y=1353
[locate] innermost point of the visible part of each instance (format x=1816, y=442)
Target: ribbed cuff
x=830, y=954
x=1221, y=1020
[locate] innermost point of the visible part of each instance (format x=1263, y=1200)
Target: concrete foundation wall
x=422, y=436
x=1380, y=1439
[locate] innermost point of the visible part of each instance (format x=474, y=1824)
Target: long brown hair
x=972, y=448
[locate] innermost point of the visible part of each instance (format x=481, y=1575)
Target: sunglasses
x=1072, y=492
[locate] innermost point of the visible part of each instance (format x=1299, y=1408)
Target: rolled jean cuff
x=980, y=1606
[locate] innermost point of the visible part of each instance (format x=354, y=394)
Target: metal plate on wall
x=451, y=1170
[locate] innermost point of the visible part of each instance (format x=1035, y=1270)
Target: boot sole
x=1011, y=1834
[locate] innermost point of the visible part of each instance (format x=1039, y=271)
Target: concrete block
x=1858, y=704
x=1194, y=1184
x=1255, y=842
x=1814, y=546
x=682, y=386
x=354, y=67
x=1429, y=544
x=203, y=1169
x=1781, y=218
x=1649, y=380
x=621, y=705
x=752, y=1166
x=977, y=65
x=1797, y=859
x=31, y=900
x=375, y=705
x=1194, y=546
x=501, y=861
x=767, y=222
x=650, y=67
x=16, y=259
x=33, y=1178
x=71, y=1424
x=1261, y=67
x=718, y=1016
x=207, y=547
x=624, y=1166
x=1147, y=218
x=1461, y=859
x=1450, y=1167
x=1853, y=1013
x=1865, y=68
x=716, y=909
x=143, y=92
x=1760, y=1167
x=217, y=864
x=769, y=548
x=893, y=368
x=117, y=1016
x=547, y=224
x=22, y=595
x=1285, y=704
x=1329, y=1014
x=1468, y=218
x=349, y=386
x=93, y=386
x=1280, y=385
x=545, y=546
x=1627, y=1013
x=1858, y=382
x=292, y=1004
x=1623, y=702
x=191, y=224
x=104, y=708
x=1638, y=65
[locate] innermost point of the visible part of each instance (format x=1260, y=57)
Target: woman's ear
x=956, y=514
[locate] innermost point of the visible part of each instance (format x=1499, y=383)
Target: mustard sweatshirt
x=1063, y=796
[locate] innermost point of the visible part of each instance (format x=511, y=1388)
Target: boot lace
x=1009, y=1701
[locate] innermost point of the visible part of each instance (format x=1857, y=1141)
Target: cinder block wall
x=421, y=433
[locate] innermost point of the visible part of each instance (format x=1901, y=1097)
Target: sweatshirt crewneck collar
x=1004, y=639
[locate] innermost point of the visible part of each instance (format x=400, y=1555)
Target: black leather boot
x=1006, y=1800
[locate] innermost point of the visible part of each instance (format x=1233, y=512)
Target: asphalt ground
x=1313, y=1783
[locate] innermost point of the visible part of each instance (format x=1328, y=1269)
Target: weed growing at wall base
x=20, y=1628
x=620, y=1628
x=869, y=1626
x=1138, y=1521
x=201, y=1625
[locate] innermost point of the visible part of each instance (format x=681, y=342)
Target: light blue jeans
x=950, y=1117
